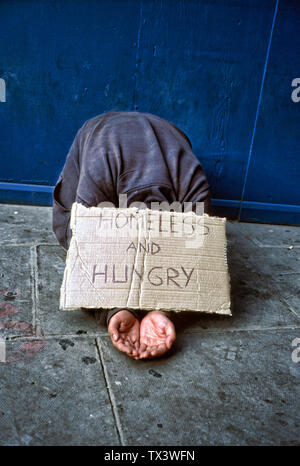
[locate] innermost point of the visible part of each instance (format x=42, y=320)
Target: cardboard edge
x=225, y=311
x=78, y=205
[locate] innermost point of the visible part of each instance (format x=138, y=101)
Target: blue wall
x=219, y=69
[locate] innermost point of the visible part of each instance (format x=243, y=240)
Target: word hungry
x=156, y=276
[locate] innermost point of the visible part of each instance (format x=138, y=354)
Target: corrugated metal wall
x=222, y=70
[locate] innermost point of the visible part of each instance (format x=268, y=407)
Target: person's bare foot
x=124, y=330
x=157, y=334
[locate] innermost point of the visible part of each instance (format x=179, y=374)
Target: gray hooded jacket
x=139, y=154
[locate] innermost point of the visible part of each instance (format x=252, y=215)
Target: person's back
x=132, y=153
x=150, y=160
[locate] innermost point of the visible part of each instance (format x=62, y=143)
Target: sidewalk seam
x=250, y=329
x=56, y=336
x=262, y=245
x=29, y=244
x=34, y=291
x=284, y=302
x=188, y=332
x=111, y=396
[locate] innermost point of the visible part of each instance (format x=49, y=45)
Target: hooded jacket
x=133, y=153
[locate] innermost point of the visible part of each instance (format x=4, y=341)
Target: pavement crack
x=111, y=396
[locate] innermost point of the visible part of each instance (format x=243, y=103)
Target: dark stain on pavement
x=65, y=343
x=89, y=360
x=9, y=295
x=154, y=373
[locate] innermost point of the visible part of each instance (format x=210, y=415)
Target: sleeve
x=197, y=189
x=65, y=193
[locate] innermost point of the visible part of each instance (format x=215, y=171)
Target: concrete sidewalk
x=227, y=381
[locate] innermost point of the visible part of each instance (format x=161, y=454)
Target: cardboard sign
x=146, y=259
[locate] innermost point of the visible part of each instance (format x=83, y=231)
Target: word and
x=149, y=248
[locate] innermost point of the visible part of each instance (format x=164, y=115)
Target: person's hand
x=157, y=334
x=124, y=330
